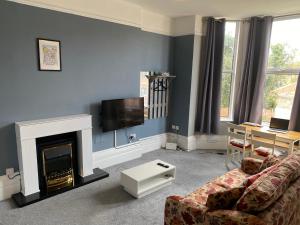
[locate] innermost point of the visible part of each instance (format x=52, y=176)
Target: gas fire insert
x=57, y=162
x=58, y=169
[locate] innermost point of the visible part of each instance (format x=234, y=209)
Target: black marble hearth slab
x=22, y=200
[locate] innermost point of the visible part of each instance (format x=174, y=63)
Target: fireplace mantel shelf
x=58, y=125
x=54, y=119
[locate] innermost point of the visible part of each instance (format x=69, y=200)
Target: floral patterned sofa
x=259, y=193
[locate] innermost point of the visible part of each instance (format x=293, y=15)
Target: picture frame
x=49, y=55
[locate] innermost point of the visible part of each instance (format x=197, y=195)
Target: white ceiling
x=220, y=8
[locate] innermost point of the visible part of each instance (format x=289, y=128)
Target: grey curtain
x=249, y=96
x=208, y=112
x=295, y=115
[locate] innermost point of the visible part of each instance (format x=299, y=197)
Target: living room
x=149, y=112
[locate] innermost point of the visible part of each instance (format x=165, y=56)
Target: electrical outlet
x=176, y=127
x=10, y=172
x=133, y=136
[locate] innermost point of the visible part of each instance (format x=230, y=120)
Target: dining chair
x=262, y=144
x=285, y=146
x=237, y=142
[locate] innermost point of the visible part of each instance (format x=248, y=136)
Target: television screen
x=121, y=113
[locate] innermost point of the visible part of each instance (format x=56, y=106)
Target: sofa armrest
x=251, y=165
x=225, y=217
x=180, y=210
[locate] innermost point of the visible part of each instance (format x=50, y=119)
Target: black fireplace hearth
x=57, y=168
x=22, y=200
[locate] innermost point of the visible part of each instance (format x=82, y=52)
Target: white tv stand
x=147, y=178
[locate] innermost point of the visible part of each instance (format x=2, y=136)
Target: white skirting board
x=206, y=142
x=113, y=156
x=101, y=159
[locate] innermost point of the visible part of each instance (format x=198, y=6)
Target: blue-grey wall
x=181, y=86
x=100, y=60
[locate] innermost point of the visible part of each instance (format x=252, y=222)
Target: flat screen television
x=121, y=113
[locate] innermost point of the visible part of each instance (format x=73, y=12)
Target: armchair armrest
x=225, y=217
x=180, y=210
x=251, y=165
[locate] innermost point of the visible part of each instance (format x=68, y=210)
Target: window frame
x=232, y=72
x=282, y=71
x=286, y=71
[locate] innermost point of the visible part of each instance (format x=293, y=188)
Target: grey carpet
x=104, y=202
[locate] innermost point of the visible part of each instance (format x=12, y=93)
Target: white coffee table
x=147, y=178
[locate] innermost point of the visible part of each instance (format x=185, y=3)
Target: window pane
x=144, y=92
x=226, y=93
x=227, y=76
x=279, y=96
x=284, y=61
x=285, y=45
x=229, y=43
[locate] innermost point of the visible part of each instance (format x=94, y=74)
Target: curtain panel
x=208, y=111
x=250, y=89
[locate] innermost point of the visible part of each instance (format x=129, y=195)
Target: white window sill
x=226, y=119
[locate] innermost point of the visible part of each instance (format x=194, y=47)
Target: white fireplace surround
x=28, y=131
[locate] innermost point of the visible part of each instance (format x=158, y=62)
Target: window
x=228, y=74
x=283, y=69
x=144, y=92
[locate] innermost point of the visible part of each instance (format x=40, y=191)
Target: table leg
x=291, y=147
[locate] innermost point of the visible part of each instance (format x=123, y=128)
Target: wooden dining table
x=284, y=140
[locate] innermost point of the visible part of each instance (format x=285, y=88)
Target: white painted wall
x=199, y=142
x=9, y=187
x=194, y=85
x=199, y=28
x=183, y=25
x=109, y=10
x=155, y=23
x=122, y=12
x=187, y=25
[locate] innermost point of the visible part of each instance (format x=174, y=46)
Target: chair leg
x=239, y=156
x=227, y=158
x=233, y=156
x=244, y=154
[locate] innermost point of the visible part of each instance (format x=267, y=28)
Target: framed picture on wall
x=49, y=55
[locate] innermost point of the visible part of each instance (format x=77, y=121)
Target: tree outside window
x=283, y=70
x=228, y=69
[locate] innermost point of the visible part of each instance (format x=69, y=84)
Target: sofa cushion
x=232, y=179
x=232, y=190
x=251, y=165
x=269, y=161
x=293, y=163
x=286, y=210
x=200, y=195
x=250, y=180
x=224, y=199
x=270, y=186
x=182, y=211
x=231, y=217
